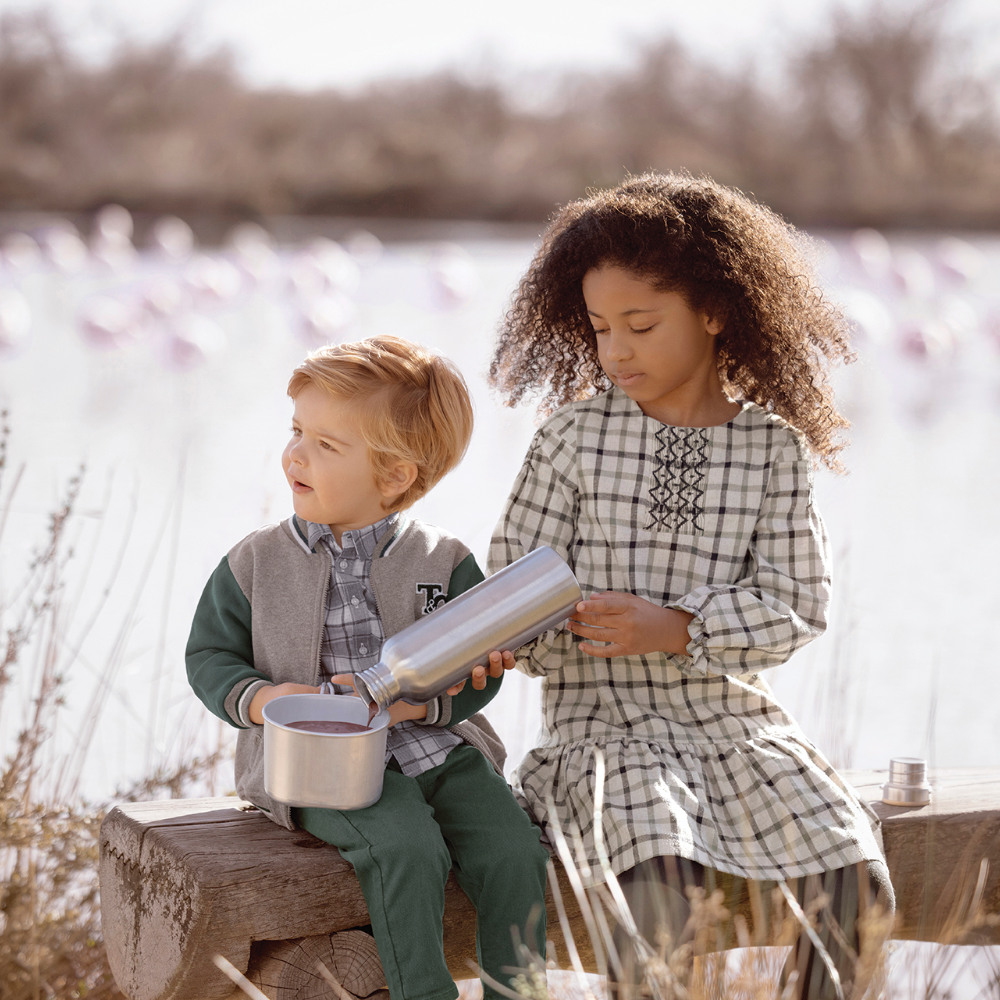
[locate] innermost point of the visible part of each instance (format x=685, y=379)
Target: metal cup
x=326, y=770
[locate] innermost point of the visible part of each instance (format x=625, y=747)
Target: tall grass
x=878, y=119
x=50, y=934
x=693, y=965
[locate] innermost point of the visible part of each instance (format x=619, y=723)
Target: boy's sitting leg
x=499, y=860
x=402, y=850
x=402, y=863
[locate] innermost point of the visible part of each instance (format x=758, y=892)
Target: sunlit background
x=192, y=200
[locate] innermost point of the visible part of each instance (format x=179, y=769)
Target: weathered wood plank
x=185, y=879
x=176, y=887
x=935, y=853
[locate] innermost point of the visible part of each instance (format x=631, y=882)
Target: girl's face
x=654, y=346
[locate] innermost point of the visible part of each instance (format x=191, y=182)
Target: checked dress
x=702, y=761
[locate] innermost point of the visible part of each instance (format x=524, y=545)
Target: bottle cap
x=907, y=784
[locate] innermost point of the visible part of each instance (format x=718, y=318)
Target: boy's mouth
x=298, y=487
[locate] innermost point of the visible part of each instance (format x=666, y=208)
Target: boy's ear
x=398, y=479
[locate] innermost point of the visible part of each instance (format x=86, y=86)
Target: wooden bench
x=186, y=879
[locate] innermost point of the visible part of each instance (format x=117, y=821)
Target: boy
x=376, y=424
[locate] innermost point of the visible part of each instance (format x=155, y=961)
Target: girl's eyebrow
x=626, y=312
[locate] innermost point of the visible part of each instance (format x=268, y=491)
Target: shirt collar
x=362, y=540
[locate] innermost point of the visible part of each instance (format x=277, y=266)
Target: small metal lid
x=907, y=769
x=907, y=784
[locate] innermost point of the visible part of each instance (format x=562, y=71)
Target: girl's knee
x=881, y=892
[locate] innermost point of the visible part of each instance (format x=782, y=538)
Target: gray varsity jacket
x=260, y=620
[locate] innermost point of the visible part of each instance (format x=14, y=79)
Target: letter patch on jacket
x=433, y=594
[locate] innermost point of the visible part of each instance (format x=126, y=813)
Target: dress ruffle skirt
x=747, y=807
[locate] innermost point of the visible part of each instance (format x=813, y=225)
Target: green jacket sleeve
x=219, y=655
x=469, y=701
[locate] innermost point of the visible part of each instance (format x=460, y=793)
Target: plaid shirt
x=353, y=636
x=702, y=762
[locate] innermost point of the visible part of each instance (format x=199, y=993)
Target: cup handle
x=326, y=688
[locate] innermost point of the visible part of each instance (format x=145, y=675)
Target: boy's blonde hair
x=411, y=405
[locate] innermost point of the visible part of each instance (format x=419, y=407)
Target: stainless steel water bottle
x=521, y=601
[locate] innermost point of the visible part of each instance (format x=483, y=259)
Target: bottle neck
x=377, y=686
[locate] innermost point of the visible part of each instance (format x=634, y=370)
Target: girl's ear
x=398, y=480
x=714, y=325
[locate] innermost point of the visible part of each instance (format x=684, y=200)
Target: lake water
x=182, y=459
x=166, y=377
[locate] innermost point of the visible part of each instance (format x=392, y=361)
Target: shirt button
x=355, y=601
x=362, y=650
x=343, y=564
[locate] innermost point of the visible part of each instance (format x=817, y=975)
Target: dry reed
x=691, y=967
x=50, y=933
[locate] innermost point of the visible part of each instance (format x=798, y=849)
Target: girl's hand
x=265, y=694
x=630, y=625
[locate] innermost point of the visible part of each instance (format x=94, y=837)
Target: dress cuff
x=698, y=637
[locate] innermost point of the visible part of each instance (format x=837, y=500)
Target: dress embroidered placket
x=702, y=761
x=677, y=494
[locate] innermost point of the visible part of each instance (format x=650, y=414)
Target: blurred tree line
x=878, y=120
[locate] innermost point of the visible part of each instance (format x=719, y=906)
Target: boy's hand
x=499, y=662
x=265, y=694
x=629, y=625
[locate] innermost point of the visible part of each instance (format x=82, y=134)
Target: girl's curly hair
x=729, y=256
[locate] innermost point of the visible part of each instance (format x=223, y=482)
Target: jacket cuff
x=443, y=704
x=433, y=712
x=243, y=699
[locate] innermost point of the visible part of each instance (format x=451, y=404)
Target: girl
x=677, y=325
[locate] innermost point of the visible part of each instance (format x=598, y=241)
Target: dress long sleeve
x=780, y=600
x=541, y=510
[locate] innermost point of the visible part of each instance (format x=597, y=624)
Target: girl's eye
x=296, y=432
x=326, y=445
x=643, y=330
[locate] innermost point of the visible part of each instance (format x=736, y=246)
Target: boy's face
x=327, y=465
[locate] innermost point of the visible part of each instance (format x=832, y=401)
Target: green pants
x=459, y=814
